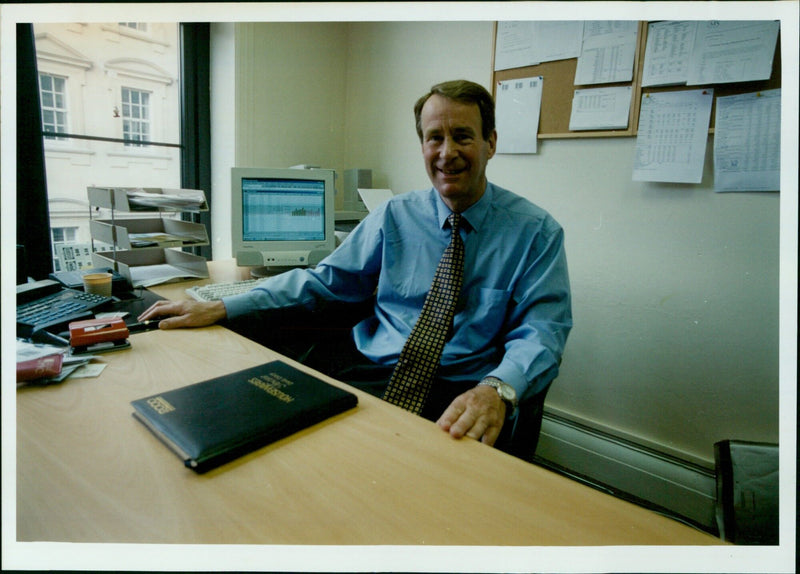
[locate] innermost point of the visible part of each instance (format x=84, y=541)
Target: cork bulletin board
x=558, y=88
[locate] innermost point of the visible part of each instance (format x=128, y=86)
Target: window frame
x=138, y=137
x=195, y=128
x=58, y=127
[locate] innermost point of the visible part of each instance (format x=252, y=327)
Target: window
x=84, y=69
x=135, y=115
x=123, y=92
x=62, y=237
x=64, y=234
x=53, y=96
x=140, y=26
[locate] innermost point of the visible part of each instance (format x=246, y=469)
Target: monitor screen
x=283, y=209
x=282, y=217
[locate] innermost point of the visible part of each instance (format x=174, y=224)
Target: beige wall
x=290, y=100
x=391, y=64
x=675, y=287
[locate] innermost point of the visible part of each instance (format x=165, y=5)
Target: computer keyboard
x=216, y=291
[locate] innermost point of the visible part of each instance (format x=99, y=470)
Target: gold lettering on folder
x=160, y=405
x=273, y=383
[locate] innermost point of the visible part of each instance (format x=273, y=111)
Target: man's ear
x=492, y=143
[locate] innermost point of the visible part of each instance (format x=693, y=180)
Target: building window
x=54, y=104
x=135, y=115
x=140, y=26
x=62, y=237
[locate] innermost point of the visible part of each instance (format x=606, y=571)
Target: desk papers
x=46, y=364
x=673, y=132
x=149, y=275
x=163, y=198
x=747, y=142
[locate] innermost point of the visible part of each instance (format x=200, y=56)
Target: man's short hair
x=465, y=92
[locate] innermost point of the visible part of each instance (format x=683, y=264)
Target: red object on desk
x=93, y=331
x=39, y=368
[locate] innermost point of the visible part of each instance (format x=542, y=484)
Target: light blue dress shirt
x=515, y=311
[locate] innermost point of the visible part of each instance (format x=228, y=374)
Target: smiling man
x=455, y=148
x=505, y=332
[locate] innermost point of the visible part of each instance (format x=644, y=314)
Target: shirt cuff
x=511, y=376
x=237, y=305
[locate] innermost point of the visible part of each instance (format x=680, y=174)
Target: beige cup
x=97, y=283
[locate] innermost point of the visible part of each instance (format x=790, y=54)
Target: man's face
x=454, y=150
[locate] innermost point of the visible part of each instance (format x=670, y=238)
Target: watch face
x=507, y=392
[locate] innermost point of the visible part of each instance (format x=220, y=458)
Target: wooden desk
x=88, y=472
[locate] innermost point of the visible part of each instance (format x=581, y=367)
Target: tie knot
x=455, y=220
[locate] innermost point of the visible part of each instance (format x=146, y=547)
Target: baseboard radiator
x=681, y=489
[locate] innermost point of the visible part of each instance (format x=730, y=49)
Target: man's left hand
x=478, y=413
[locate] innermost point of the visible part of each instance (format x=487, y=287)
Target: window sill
x=138, y=154
x=61, y=148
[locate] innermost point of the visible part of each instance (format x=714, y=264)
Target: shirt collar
x=474, y=216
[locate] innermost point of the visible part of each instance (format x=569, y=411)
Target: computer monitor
x=282, y=218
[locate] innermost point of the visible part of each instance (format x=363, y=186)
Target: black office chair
x=296, y=332
x=747, y=492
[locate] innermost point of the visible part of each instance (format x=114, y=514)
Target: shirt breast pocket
x=403, y=259
x=484, y=314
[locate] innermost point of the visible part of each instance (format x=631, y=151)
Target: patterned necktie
x=419, y=359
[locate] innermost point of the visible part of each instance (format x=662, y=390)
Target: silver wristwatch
x=505, y=391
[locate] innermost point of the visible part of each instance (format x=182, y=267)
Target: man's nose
x=448, y=148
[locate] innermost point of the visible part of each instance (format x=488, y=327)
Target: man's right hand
x=185, y=313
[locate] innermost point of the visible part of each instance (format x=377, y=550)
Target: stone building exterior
x=109, y=82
